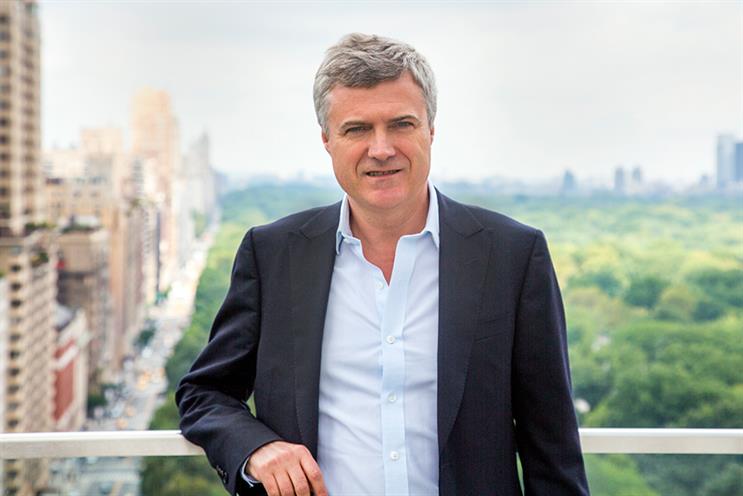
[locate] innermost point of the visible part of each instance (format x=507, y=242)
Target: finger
x=284, y=482
x=314, y=476
x=269, y=484
x=299, y=481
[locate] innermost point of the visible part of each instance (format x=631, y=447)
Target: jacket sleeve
x=546, y=426
x=211, y=398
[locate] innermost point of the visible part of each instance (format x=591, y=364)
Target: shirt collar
x=432, y=220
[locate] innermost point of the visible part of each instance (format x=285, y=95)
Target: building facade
x=83, y=281
x=729, y=155
x=156, y=141
x=27, y=251
x=70, y=369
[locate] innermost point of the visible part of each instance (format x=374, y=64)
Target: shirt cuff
x=243, y=471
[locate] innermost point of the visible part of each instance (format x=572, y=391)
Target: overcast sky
x=526, y=89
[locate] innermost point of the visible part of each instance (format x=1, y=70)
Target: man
x=397, y=342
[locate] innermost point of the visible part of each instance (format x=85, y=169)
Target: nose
x=381, y=147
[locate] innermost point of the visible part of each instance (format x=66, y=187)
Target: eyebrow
x=350, y=124
x=405, y=118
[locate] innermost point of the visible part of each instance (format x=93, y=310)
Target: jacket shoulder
x=310, y=220
x=490, y=220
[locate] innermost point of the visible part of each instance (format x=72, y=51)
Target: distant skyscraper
x=102, y=152
x=155, y=138
x=637, y=175
x=27, y=253
x=569, y=184
x=726, y=160
x=620, y=180
x=199, y=176
x=738, y=164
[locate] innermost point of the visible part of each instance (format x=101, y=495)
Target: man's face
x=380, y=143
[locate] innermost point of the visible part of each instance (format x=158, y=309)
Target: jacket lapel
x=463, y=263
x=312, y=255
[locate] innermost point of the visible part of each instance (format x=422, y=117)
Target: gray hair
x=363, y=61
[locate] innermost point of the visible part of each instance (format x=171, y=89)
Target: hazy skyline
x=525, y=89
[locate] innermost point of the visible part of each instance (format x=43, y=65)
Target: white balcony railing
x=172, y=443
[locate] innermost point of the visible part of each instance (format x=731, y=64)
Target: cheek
x=346, y=160
x=343, y=170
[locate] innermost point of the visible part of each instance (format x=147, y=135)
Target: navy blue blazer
x=503, y=378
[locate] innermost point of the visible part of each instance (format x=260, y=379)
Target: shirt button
x=392, y=397
x=394, y=455
x=380, y=285
x=390, y=339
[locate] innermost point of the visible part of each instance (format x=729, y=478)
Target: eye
x=355, y=130
x=402, y=124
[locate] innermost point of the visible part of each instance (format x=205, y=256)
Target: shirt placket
x=392, y=394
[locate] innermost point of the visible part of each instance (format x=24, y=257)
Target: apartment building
x=156, y=141
x=83, y=281
x=70, y=368
x=82, y=204
x=27, y=250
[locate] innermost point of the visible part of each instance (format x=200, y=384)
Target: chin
x=385, y=199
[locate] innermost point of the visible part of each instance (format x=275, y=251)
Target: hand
x=286, y=469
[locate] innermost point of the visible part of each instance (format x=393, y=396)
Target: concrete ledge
x=172, y=443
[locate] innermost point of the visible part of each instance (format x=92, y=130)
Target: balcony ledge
x=172, y=443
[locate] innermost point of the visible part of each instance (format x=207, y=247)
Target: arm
x=211, y=397
x=546, y=426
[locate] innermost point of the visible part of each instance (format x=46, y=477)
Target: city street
x=141, y=391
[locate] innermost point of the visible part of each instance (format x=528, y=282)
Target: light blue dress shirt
x=377, y=431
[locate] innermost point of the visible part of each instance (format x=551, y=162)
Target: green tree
x=677, y=303
x=644, y=291
x=615, y=475
x=725, y=286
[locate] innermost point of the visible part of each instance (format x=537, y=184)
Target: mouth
x=383, y=173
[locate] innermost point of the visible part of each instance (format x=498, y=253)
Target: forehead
x=387, y=99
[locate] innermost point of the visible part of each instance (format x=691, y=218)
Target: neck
x=382, y=229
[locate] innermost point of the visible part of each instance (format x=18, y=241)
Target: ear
x=433, y=131
x=325, y=141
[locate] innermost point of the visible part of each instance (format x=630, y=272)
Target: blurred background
x=140, y=140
